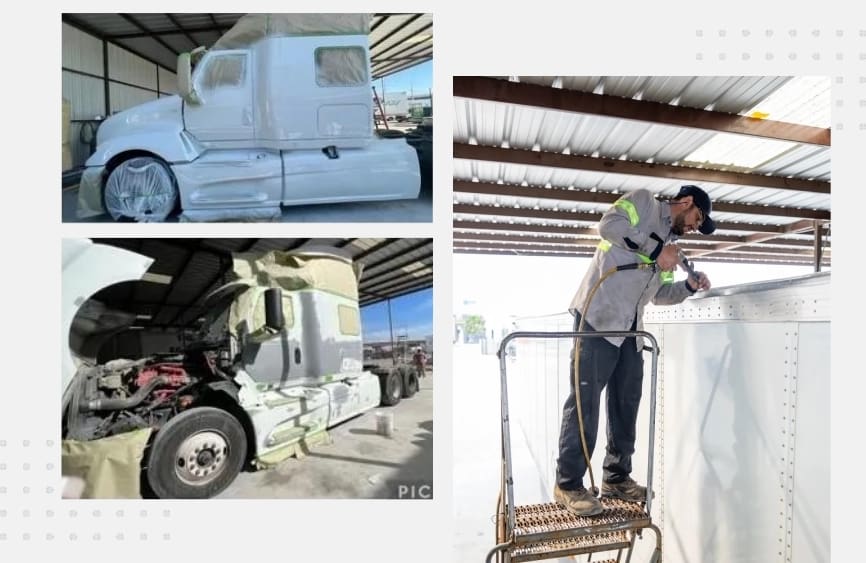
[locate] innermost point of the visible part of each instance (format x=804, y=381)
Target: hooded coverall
x=634, y=229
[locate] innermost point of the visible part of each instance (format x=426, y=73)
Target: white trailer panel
x=742, y=461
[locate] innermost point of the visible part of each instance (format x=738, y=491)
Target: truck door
x=271, y=360
x=223, y=82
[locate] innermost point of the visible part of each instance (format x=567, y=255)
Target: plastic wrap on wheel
x=254, y=215
x=141, y=188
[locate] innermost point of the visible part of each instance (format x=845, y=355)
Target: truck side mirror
x=274, y=318
x=184, y=79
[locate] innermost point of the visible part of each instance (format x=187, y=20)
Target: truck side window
x=341, y=66
x=350, y=320
x=224, y=71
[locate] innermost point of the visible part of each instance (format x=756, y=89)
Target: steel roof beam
x=630, y=168
x=90, y=30
x=396, y=295
x=396, y=267
x=591, y=248
x=395, y=31
x=178, y=31
x=591, y=217
x=472, y=230
x=584, y=196
x=798, y=227
x=421, y=244
x=176, y=23
x=484, y=88
x=693, y=244
x=156, y=38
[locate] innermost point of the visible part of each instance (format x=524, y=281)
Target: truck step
x=546, y=531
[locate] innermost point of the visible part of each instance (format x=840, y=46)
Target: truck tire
x=410, y=384
x=391, y=386
x=142, y=188
x=196, y=454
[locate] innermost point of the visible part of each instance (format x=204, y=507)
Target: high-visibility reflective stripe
x=667, y=278
x=629, y=208
x=604, y=246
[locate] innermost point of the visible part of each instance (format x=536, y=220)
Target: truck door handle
x=248, y=116
x=331, y=152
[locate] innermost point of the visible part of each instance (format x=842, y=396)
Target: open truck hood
x=87, y=268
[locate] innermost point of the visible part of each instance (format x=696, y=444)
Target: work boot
x=579, y=502
x=627, y=490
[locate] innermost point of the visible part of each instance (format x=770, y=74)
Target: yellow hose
x=589, y=297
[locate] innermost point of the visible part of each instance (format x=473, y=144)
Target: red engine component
x=177, y=377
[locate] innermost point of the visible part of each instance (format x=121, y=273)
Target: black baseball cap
x=702, y=201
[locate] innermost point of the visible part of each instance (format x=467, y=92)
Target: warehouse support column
x=105, y=77
x=819, y=228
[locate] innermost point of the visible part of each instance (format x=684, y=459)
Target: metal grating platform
x=544, y=531
x=562, y=548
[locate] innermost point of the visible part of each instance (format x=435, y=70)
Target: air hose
x=589, y=297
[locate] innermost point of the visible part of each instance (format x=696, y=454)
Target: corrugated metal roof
x=490, y=121
x=731, y=94
x=397, y=41
x=391, y=267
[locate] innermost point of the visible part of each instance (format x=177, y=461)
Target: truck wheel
x=411, y=385
x=141, y=188
x=392, y=388
x=196, y=454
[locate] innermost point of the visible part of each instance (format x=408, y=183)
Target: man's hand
x=702, y=283
x=668, y=258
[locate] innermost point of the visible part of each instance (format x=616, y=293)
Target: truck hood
x=87, y=268
x=164, y=114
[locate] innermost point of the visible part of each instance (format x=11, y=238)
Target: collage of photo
x=631, y=345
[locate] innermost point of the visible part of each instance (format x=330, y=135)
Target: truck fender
x=224, y=395
x=170, y=146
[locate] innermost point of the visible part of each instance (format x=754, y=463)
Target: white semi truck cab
x=277, y=112
x=276, y=361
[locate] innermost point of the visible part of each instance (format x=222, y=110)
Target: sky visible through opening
x=416, y=80
x=412, y=317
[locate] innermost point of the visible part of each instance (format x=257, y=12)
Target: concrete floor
x=477, y=455
x=358, y=463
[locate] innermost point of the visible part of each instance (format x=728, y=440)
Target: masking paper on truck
x=110, y=467
x=294, y=271
x=253, y=27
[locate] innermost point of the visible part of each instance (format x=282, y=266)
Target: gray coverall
x=634, y=229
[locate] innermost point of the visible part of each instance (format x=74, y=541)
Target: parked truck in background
x=277, y=112
x=396, y=106
x=276, y=362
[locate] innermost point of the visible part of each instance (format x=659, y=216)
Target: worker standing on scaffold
x=637, y=228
